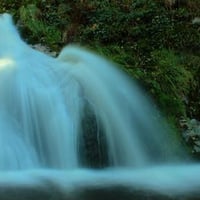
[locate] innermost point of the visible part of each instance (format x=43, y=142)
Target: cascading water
x=42, y=104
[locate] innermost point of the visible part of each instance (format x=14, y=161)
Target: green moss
x=40, y=32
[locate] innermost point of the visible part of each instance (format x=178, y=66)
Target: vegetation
x=155, y=41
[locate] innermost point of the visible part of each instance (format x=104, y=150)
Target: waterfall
x=53, y=111
x=42, y=100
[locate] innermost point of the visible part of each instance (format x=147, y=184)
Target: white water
x=169, y=180
x=42, y=103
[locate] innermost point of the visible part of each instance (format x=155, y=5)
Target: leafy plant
x=29, y=16
x=170, y=82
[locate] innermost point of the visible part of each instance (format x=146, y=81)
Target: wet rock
x=44, y=49
x=191, y=133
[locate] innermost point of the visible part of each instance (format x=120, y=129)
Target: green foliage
x=169, y=81
x=192, y=62
x=118, y=23
x=29, y=16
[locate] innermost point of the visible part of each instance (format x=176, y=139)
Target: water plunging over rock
x=45, y=105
